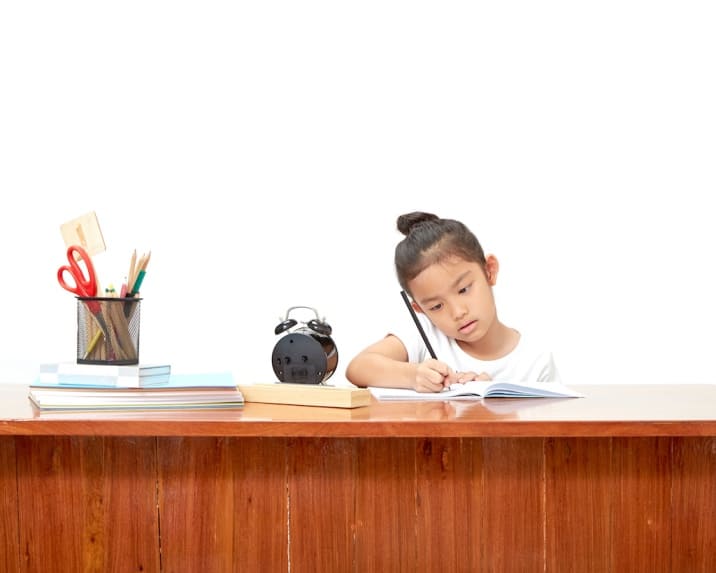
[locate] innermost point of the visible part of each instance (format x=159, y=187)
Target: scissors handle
x=74, y=288
x=85, y=286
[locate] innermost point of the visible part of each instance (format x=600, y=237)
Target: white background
x=263, y=150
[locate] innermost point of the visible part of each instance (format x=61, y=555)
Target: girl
x=443, y=268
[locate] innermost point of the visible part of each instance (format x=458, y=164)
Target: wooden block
x=306, y=395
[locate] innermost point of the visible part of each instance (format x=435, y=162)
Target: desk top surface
x=606, y=410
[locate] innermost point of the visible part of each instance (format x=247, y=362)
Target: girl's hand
x=433, y=376
x=462, y=377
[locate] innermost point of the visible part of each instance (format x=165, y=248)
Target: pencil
x=137, y=283
x=131, y=273
x=145, y=262
x=417, y=323
x=141, y=270
x=93, y=343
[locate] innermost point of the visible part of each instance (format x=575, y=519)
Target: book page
x=519, y=390
x=476, y=390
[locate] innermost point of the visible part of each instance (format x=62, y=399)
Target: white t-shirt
x=526, y=363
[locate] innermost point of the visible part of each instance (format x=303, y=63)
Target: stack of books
x=72, y=386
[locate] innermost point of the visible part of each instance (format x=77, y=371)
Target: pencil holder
x=108, y=330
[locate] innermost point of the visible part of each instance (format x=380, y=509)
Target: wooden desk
x=622, y=480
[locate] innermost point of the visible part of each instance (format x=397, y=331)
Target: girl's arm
x=385, y=364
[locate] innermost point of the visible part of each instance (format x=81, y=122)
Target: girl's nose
x=459, y=311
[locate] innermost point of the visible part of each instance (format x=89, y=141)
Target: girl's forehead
x=443, y=275
x=451, y=264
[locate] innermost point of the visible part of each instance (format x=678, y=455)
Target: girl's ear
x=416, y=307
x=492, y=267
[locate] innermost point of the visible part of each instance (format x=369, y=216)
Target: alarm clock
x=305, y=353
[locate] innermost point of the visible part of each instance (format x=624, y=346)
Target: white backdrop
x=263, y=150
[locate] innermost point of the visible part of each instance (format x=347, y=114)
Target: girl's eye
x=436, y=307
x=465, y=289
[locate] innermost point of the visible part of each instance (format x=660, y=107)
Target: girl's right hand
x=433, y=376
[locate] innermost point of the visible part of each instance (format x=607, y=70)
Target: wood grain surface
x=408, y=504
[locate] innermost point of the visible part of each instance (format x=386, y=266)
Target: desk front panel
x=221, y=504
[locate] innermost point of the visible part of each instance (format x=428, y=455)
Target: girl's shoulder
x=531, y=344
x=536, y=356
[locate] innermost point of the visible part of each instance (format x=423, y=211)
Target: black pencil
x=417, y=323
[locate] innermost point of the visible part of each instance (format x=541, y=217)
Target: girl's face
x=456, y=295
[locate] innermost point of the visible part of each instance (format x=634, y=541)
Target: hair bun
x=408, y=221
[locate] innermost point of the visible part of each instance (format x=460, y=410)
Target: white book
x=476, y=390
x=72, y=374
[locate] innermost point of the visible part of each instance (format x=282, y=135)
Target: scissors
x=84, y=285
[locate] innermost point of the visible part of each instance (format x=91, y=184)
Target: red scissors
x=84, y=285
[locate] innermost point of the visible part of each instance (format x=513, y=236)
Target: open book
x=475, y=390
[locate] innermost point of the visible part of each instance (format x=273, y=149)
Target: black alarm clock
x=305, y=353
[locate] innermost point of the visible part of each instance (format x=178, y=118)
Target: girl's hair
x=429, y=240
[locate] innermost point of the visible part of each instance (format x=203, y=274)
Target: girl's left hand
x=463, y=377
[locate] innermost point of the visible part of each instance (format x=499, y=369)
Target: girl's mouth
x=466, y=328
